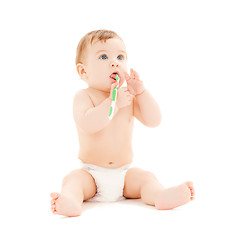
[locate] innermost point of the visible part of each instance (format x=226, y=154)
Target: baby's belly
x=110, y=147
x=103, y=151
x=106, y=155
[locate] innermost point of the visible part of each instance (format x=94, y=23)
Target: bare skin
x=77, y=186
x=108, y=143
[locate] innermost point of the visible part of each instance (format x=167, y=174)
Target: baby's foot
x=65, y=206
x=175, y=196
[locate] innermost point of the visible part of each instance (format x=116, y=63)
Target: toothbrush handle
x=112, y=107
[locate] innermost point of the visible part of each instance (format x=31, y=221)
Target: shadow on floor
x=134, y=202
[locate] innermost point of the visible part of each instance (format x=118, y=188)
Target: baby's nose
x=114, y=64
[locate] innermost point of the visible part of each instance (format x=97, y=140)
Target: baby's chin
x=105, y=89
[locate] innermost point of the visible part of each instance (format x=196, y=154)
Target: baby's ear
x=81, y=71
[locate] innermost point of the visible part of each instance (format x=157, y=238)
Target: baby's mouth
x=113, y=75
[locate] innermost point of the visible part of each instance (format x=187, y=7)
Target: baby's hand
x=112, y=88
x=124, y=98
x=134, y=84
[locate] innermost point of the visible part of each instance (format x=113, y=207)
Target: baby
x=106, y=145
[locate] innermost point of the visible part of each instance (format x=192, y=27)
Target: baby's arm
x=146, y=110
x=89, y=118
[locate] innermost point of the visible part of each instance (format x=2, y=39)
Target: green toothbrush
x=114, y=97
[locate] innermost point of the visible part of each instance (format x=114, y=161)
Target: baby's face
x=103, y=59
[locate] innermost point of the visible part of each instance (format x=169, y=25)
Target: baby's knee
x=148, y=176
x=74, y=175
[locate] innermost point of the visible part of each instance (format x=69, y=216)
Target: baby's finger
x=136, y=75
x=127, y=77
x=114, y=85
x=132, y=73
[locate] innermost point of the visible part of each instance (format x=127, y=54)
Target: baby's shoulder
x=80, y=93
x=82, y=97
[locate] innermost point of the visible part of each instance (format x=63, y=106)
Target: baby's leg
x=143, y=184
x=77, y=186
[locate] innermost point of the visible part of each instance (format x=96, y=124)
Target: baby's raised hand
x=124, y=98
x=134, y=84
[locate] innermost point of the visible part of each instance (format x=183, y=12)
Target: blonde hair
x=90, y=38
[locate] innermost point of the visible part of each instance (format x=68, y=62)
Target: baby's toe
x=55, y=195
x=191, y=188
x=53, y=209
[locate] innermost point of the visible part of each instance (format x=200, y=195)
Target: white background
x=180, y=50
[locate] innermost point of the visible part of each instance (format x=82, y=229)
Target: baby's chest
x=123, y=121
x=124, y=114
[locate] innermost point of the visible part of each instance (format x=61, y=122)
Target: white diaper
x=109, y=182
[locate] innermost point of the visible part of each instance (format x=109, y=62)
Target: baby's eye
x=120, y=57
x=104, y=56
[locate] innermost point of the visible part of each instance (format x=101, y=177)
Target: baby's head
x=99, y=54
